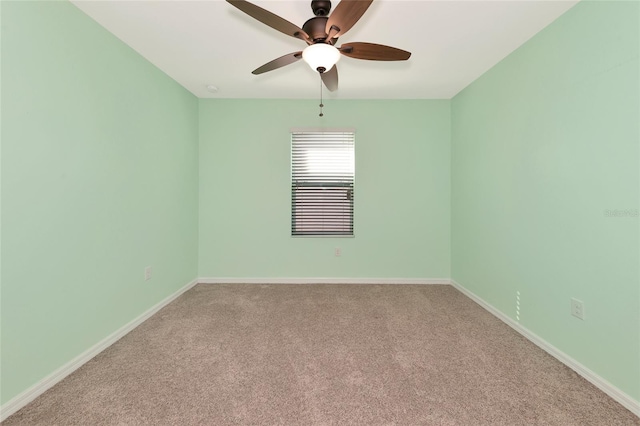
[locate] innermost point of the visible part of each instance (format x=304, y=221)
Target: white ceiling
x=209, y=42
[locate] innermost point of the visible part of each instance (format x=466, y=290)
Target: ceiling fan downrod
x=321, y=7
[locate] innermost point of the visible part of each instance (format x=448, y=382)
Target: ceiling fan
x=321, y=34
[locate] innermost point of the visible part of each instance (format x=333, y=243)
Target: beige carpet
x=323, y=355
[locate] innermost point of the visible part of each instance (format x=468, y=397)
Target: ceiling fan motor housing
x=320, y=7
x=316, y=28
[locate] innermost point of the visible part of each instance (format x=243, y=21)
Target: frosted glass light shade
x=321, y=55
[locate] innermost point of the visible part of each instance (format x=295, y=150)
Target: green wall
x=402, y=204
x=543, y=145
x=99, y=180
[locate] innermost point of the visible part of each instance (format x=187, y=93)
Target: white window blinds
x=322, y=183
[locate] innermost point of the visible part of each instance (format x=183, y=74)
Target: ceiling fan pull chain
x=321, y=104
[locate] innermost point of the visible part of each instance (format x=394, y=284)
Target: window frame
x=345, y=179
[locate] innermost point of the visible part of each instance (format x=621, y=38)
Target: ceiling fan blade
x=277, y=63
x=374, y=52
x=330, y=78
x=270, y=19
x=345, y=15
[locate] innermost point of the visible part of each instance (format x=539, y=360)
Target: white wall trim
x=307, y=280
x=625, y=400
x=22, y=399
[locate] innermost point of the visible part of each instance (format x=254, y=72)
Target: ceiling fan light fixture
x=321, y=56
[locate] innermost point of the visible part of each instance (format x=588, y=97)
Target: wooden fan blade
x=374, y=52
x=345, y=15
x=330, y=78
x=278, y=63
x=270, y=19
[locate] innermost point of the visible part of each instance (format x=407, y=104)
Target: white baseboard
x=45, y=384
x=625, y=400
x=307, y=280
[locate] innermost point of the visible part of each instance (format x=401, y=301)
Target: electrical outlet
x=577, y=308
x=147, y=273
x=338, y=251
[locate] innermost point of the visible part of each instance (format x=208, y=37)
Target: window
x=322, y=176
